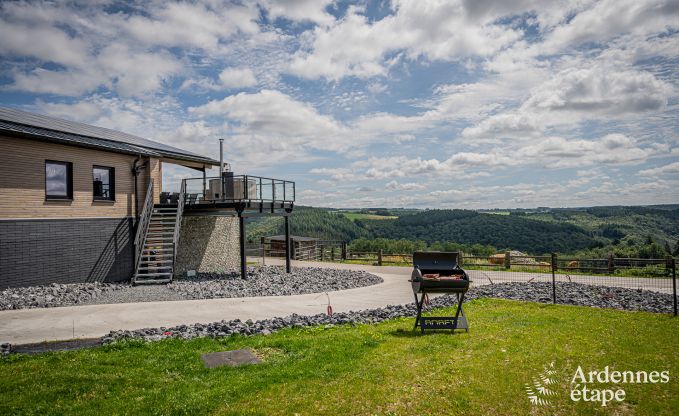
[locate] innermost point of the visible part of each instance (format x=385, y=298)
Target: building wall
x=36, y=252
x=22, y=181
x=79, y=240
x=208, y=245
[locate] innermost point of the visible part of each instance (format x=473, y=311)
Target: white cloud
x=410, y=186
x=237, y=78
x=610, y=18
x=300, y=10
x=46, y=43
x=271, y=112
x=600, y=90
x=195, y=25
x=436, y=30
x=669, y=169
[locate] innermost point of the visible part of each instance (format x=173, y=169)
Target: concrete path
x=50, y=324
x=37, y=325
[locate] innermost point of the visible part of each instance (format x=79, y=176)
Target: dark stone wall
x=39, y=252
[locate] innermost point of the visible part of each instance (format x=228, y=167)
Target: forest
x=625, y=231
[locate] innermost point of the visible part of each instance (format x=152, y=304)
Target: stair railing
x=143, y=225
x=178, y=223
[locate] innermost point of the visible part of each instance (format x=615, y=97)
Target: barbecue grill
x=439, y=272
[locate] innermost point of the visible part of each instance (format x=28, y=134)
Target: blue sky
x=440, y=104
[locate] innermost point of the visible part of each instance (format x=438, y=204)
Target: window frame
x=69, y=181
x=111, y=185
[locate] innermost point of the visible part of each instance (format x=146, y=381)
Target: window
x=103, y=183
x=58, y=180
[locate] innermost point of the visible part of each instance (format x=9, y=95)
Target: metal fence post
x=332, y=253
x=611, y=263
x=554, y=277
x=344, y=250
x=379, y=257
x=674, y=284
x=508, y=260
x=322, y=252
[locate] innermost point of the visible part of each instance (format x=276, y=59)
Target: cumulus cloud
x=409, y=186
x=669, y=169
x=237, y=78
x=300, y=10
x=602, y=90
x=436, y=30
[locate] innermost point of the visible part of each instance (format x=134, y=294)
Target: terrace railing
x=238, y=188
x=178, y=223
x=143, y=224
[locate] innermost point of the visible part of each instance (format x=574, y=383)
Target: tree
x=668, y=249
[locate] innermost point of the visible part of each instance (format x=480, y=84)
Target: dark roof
x=293, y=237
x=70, y=132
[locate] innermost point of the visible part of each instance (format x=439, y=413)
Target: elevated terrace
x=243, y=196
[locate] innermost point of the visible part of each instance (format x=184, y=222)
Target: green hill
x=649, y=232
x=470, y=227
x=310, y=222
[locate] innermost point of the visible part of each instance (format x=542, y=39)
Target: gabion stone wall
x=208, y=245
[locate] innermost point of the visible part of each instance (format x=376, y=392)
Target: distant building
x=301, y=248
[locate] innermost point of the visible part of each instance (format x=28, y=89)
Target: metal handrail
x=178, y=223
x=143, y=225
x=259, y=183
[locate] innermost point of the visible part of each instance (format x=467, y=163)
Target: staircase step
x=159, y=269
x=141, y=281
x=154, y=261
x=157, y=249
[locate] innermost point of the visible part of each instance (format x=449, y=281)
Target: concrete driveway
x=37, y=325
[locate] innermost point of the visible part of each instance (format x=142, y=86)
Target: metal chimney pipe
x=221, y=167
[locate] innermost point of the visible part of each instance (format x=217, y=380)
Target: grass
x=362, y=216
x=369, y=369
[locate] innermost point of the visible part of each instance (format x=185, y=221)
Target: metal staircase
x=157, y=239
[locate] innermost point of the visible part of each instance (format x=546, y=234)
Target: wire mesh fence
x=641, y=275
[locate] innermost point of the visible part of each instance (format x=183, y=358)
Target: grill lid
x=435, y=260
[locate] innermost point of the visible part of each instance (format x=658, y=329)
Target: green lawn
x=362, y=216
x=368, y=369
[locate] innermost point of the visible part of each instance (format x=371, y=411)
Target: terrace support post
x=379, y=257
x=611, y=264
x=287, y=244
x=553, y=277
x=243, y=258
x=508, y=259
x=204, y=183
x=674, y=284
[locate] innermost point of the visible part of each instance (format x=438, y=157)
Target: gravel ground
x=263, y=281
x=56, y=295
x=272, y=281
x=569, y=293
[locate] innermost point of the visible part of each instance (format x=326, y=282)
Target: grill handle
x=417, y=274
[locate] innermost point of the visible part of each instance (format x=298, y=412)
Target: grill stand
x=459, y=321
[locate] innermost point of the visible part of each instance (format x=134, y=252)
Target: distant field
x=359, y=216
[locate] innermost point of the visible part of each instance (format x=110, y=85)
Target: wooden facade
x=22, y=180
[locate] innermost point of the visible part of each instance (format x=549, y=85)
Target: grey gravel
x=272, y=281
x=569, y=293
x=54, y=295
x=262, y=281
